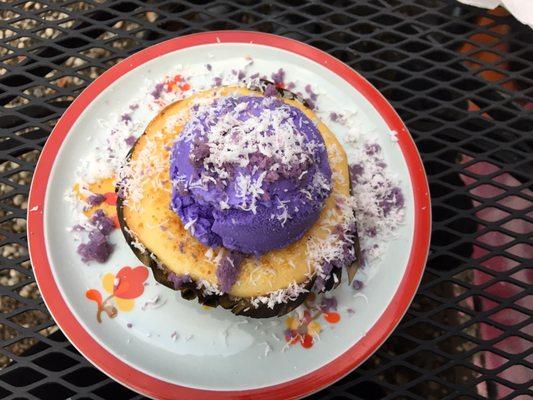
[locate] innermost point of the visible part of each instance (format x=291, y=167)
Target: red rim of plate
x=295, y=388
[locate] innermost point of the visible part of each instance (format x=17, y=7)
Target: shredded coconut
x=280, y=296
x=208, y=288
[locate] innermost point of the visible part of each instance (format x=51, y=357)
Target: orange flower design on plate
x=176, y=83
x=106, y=188
x=122, y=289
x=306, y=329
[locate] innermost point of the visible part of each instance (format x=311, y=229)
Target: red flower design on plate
x=306, y=328
x=123, y=287
x=130, y=282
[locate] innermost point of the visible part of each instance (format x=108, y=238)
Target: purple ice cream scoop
x=249, y=173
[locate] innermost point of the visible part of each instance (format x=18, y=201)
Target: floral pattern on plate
x=121, y=288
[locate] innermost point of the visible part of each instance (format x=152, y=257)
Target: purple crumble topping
x=95, y=199
x=228, y=270
x=333, y=116
x=97, y=248
x=125, y=118
x=310, y=103
x=130, y=140
x=102, y=222
x=278, y=77
x=371, y=149
x=393, y=199
x=357, y=284
x=270, y=90
x=241, y=75
x=78, y=228
x=179, y=280
x=209, y=67
x=328, y=304
x=371, y=232
x=312, y=95
x=218, y=81
x=320, y=283
x=158, y=90
x=356, y=170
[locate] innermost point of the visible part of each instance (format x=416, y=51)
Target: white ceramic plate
x=179, y=349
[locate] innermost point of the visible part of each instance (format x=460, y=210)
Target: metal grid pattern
x=460, y=77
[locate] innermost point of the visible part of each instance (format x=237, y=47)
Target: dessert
x=240, y=197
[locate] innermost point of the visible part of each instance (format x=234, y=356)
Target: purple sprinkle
x=327, y=268
x=179, y=280
x=371, y=232
x=129, y=325
x=97, y=248
x=270, y=90
x=254, y=76
x=228, y=270
x=95, y=199
x=356, y=170
x=393, y=200
x=327, y=304
x=218, y=81
x=310, y=103
x=78, y=228
x=333, y=116
x=320, y=283
x=279, y=76
x=241, y=75
x=101, y=222
x=357, y=284
x=125, y=118
x=371, y=149
x=134, y=107
x=290, y=86
x=209, y=67
x=130, y=140
x=158, y=90
x=350, y=311
x=312, y=95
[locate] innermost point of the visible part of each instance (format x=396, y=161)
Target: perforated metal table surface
x=460, y=77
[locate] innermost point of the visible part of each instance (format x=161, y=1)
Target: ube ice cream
x=249, y=173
